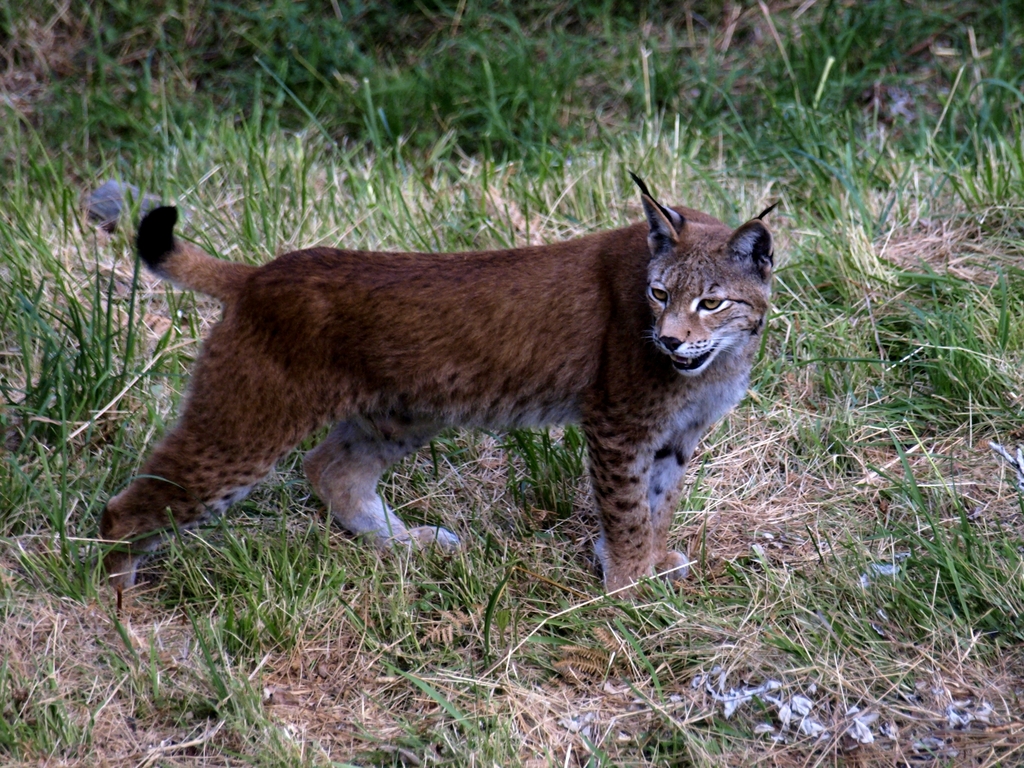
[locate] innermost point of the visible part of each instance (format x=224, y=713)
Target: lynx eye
x=658, y=294
x=710, y=304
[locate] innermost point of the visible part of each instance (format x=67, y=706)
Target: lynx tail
x=182, y=263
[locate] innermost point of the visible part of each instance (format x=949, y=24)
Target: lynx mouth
x=690, y=364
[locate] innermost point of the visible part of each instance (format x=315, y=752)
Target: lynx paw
x=425, y=536
x=120, y=568
x=621, y=579
x=674, y=567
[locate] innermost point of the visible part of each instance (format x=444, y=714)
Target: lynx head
x=708, y=286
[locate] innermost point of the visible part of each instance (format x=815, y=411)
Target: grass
x=854, y=541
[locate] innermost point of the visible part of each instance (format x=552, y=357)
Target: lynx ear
x=768, y=210
x=665, y=224
x=753, y=243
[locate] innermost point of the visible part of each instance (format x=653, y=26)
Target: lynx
x=643, y=335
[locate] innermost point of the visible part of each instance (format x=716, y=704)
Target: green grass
x=853, y=538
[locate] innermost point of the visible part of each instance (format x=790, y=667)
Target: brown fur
x=393, y=347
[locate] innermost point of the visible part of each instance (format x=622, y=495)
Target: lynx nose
x=669, y=342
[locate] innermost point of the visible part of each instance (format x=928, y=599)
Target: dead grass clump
x=946, y=247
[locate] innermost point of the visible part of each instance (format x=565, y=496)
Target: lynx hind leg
x=219, y=449
x=186, y=479
x=346, y=467
x=665, y=484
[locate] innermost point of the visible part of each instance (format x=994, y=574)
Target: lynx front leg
x=626, y=548
x=344, y=471
x=665, y=485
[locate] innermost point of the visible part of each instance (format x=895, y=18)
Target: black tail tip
x=155, y=238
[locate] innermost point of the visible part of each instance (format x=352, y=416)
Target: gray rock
x=111, y=199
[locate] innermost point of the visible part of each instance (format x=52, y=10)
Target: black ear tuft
x=155, y=239
x=661, y=235
x=640, y=183
x=675, y=220
x=768, y=210
x=753, y=243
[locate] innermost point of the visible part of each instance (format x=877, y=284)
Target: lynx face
x=698, y=317
x=707, y=300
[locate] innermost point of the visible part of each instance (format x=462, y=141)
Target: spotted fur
x=644, y=335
